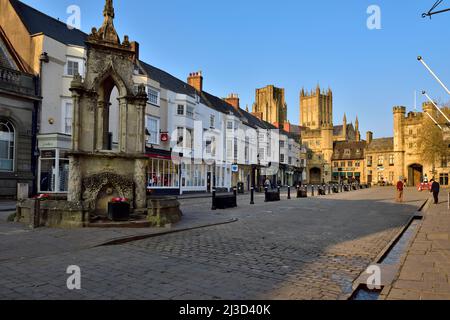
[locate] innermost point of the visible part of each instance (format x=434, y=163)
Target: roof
x=167, y=81
x=356, y=149
x=382, y=144
x=338, y=130
x=38, y=22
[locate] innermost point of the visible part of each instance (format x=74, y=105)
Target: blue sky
x=243, y=45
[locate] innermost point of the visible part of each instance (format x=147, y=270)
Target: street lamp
x=434, y=104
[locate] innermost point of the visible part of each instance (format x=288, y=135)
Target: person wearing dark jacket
x=435, y=189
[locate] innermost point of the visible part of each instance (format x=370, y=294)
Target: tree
x=432, y=142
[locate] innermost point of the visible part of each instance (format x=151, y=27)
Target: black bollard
x=266, y=190
x=214, y=200
x=235, y=196
x=252, y=196
x=312, y=190
x=289, y=192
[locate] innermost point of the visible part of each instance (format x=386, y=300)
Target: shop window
x=54, y=171
x=162, y=174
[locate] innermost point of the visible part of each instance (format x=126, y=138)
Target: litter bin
x=119, y=210
x=240, y=188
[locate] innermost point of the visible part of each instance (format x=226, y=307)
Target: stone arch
x=95, y=186
x=104, y=85
x=315, y=175
x=415, y=174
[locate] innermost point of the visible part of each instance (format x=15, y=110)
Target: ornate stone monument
x=97, y=173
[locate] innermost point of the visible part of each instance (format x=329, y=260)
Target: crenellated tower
x=316, y=108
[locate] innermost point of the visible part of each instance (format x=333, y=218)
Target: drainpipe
x=35, y=127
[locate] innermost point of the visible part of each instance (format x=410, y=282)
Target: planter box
x=119, y=211
x=272, y=196
x=225, y=201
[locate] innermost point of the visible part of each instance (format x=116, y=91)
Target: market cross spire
x=107, y=31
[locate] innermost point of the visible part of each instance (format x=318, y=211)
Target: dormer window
x=190, y=112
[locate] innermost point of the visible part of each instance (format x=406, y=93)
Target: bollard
x=329, y=189
x=252, y=196
x=235, y=196
x=289, y=192
x=214, y=200
x=312, y=190
x=266, y=189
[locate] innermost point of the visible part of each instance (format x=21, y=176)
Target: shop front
x=163, y=174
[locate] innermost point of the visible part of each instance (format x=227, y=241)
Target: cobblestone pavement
x=425, y=273
x=299, y=249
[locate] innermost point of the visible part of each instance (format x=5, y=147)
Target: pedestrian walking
x=400, y=190
x=435, y=189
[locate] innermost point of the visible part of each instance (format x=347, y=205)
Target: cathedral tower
x=316, y=108
x=270, y=105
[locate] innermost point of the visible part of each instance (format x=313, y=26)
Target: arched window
x=7, y=139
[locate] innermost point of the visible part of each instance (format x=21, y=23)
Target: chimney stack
x=369, y=137
x=233, y=99
x=195, y=80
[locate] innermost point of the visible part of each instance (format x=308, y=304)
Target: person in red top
x=400, y=188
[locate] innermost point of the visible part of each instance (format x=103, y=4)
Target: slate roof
x=339, y=129
x=38, y=22
x=382, y=144
x=353, y=146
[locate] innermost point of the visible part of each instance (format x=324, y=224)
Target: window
x=336, y=164
x=347, y=152
x=391, y=177
x=391, y=160
x=369, y=161
x=380, y=161
x=282, y=158
x=180, y=137
x=350, y=164
x=235, y=148
x=247, y=149
x=180, y=110
x=67, y=117
x=212, y=121
x=162, y=174
x=72, y=67
x=357, y=164
x=54, y=171
x=189, y=138
x=281, y=144
x=444, y=162
x=7, y=139
x=230, y=125
x=211, y=147
x=443, y=179
x=152, y=126
x=290, y=147
x=342, y=164
x=190, y=112
x=290, y=161
x=153, y=96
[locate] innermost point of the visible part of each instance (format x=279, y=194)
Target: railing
x=16, y=81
